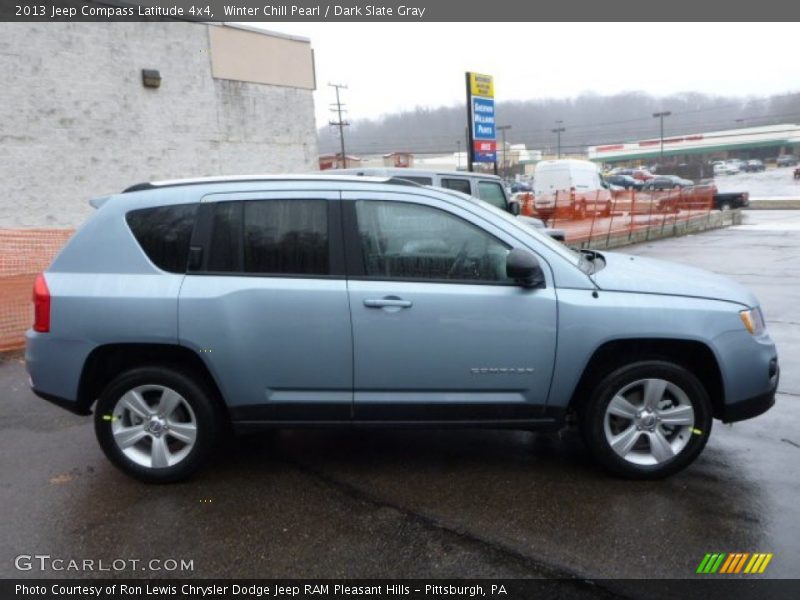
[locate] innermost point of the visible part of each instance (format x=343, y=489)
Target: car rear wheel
x=155, y=424
x=647, y=420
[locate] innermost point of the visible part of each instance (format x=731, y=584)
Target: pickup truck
x=703, y=196
x=729, y=200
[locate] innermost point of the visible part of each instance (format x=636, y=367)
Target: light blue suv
x=182, y=308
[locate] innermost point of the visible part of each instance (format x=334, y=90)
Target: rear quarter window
x=164, y=232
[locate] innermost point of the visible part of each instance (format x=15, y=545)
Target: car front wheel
x=155, y=424
x=647, y=420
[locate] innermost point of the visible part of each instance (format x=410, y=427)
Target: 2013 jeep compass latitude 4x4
x=183, y=307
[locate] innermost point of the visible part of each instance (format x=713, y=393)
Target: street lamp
x=458, y=155
x=661, y=115
x=502, y=129
x=558, y=131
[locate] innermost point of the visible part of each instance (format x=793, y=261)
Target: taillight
x=41, y=305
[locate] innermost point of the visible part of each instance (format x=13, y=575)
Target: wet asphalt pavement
x=428, y=504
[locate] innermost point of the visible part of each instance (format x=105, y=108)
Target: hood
x=626, y=273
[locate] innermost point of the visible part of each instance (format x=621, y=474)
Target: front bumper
x=751, y=407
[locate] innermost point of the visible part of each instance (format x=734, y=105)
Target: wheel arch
x=105, y=362
x=695, y=356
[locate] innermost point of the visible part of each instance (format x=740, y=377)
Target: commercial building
x=751, y=142
x=91, y=108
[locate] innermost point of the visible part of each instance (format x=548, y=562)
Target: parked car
x=638, y=174
x=786, y=160
x=520, y=186
x=182, y=308
x=624, y=181
x=666, y=182
x=704, y=196
x=753, y=166
x=482, y=186
x=737, y=164
x=725, y=168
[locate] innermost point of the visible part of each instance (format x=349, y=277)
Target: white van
x=570, y=187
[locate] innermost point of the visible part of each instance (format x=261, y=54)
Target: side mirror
x=522, y=267
x=514, y=208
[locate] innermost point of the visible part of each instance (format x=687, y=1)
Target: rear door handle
x=389, y=301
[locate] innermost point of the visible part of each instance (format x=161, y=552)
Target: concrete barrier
x=772, y=204
x=712, y=220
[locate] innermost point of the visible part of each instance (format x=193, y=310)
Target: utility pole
x=458, y=155
x=661, y=115
x=558, y=131
x=502, y=129
x=338, y=108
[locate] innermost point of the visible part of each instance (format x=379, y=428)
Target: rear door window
x=457, y=184
x=270, y=237
x=164, y=232
x=286, y=236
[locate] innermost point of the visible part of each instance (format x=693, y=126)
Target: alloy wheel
x=649, y=421
x=154, y=426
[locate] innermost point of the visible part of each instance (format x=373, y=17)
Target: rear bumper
x=70, y=405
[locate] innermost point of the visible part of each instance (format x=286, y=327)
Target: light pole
x=458, y=155
x=661, y=115
x=558, y=131
x=502, y=129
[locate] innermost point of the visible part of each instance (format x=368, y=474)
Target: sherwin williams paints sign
x=480, y=102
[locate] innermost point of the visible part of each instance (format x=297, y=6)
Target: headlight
x=753, y=320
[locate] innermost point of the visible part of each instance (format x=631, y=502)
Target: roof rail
x=139, y=187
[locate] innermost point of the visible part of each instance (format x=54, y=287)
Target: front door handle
x=387, y=302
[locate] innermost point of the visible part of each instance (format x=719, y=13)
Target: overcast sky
x=393, y=66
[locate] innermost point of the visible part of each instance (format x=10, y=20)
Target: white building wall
x=76, y=121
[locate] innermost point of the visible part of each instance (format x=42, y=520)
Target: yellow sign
x=481, y=85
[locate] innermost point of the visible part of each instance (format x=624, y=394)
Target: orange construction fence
x=597, y=217
x=23, y=254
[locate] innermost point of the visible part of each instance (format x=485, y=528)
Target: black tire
x=206, y=415
x=593, y=413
